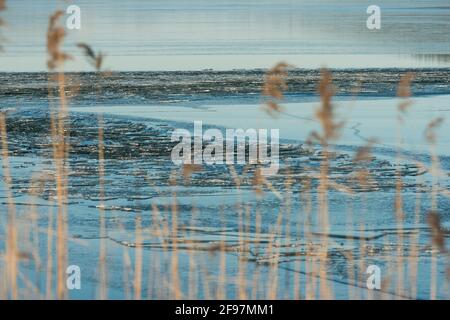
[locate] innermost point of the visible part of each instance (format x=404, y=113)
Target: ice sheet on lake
x=364, y=120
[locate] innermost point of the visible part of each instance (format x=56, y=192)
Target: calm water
x=227, y=34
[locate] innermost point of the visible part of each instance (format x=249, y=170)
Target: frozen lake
x=364, y=120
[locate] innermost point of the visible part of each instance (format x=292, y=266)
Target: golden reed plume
x=274, y=87
x=96, y=60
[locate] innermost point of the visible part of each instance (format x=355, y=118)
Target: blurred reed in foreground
x=164, y=269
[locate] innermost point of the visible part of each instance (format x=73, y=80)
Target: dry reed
x=275, y=84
